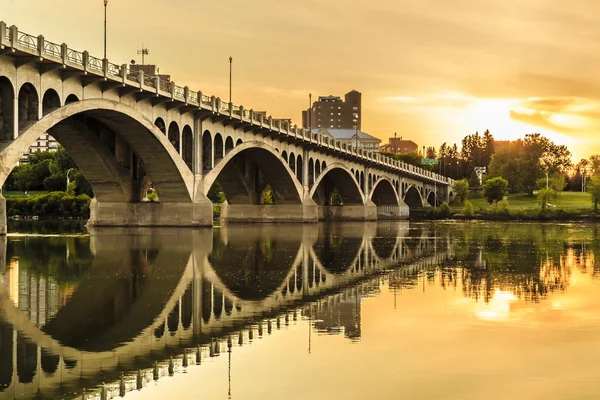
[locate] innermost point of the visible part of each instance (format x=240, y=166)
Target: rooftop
x=345, y=134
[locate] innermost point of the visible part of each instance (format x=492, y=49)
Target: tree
x=544, y=196
x=494, y=189
x=461, y=190
x=593, y=188
x=431, y=152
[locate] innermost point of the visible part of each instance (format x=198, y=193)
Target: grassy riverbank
x=517, y=207
x=566, y=200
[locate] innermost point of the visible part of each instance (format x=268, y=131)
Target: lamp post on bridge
x=105, y=4
x=230, y=68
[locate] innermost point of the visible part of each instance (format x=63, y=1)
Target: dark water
x=352, y=311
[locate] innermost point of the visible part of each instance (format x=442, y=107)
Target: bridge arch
x=187, y=146
x=28, y=105
x=218, y=148
x=432, y=198
x=277, y=174
x=299, y=168
x=239, y=142
x=169, y=174
x=284, y=155
x=337, y=176
x=72, y=98
x=228, y=145
x=174, y=135
x=160, y=124
x=50, y=101
x=7, y=96
x=384, y=193
x=292, y=162
x=413, y=197
x=207, y=151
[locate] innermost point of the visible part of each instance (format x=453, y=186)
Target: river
x=446, y=310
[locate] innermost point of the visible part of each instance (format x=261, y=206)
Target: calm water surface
x=352, y=311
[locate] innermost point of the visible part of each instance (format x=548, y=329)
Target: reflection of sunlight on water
x=498, y=307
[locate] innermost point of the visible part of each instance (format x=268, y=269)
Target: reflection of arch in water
x=252, y=270
x=337, y=253
x=386, y=240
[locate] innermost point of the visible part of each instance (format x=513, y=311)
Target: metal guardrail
x=76, y=57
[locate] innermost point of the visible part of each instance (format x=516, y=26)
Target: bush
x=152, y=196
x=544, y=196
x=51, y=205
x=461, y=190
x=494, y=189
x=468, y=209
x=55, y=182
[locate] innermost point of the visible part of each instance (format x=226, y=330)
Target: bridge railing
x=38, y=46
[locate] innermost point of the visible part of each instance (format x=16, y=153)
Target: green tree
x=494, y=189
x=544, y=196
x=431, y=152
x=593, y=188
x=468, y=209
x=461, y=190
x=267, y=198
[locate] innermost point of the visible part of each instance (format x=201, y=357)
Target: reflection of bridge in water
x=153, y=302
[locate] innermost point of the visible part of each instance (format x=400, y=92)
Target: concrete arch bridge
x=127, y=131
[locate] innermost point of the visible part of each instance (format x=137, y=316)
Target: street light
x=105, y=4
x=68, y=181
x=230, y=67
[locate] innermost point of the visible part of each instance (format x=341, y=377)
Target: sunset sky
x=430, y=70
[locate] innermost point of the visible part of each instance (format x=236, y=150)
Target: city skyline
x=508, y=67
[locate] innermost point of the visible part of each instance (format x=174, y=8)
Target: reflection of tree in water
x=528, y=260
x=64, y=259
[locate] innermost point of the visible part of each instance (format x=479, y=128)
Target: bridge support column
x=150, y=214
x=349, y=212
x=307, y=212
x=393, y=211
x=3, y=228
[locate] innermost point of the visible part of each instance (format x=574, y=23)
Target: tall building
x=399, y=146
x=332, y=112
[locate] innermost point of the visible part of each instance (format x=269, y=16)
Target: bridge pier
x=277, y=213
x=350, y=212
x=150, y=214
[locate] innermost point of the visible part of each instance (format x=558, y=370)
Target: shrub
x=468, y=209
x=494, y=189
x=544, y=196
x=461, y=190
x=152, y=196
x=51, y=205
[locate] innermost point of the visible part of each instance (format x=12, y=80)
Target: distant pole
x=105, y=4
x=310, y=113
x=546, y=180
x=230, y=68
